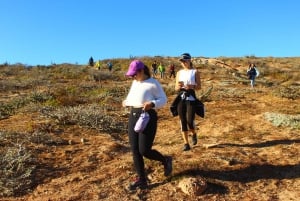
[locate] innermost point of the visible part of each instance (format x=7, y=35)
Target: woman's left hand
x=190, y=86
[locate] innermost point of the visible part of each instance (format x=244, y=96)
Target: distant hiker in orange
x=144, y=96
x=187, y=81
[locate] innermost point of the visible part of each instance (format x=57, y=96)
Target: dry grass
x=17, y=165
x=90, y=116
x=284, y=120
x=63, y=133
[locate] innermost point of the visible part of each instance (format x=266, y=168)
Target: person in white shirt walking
x=187, y=81
x=145, y=94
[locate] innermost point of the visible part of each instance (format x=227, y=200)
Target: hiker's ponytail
x=147, y=71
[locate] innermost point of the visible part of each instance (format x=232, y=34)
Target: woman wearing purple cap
x=145, y=95
x=187, y=81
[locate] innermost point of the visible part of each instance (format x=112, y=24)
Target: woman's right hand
x=180, y=84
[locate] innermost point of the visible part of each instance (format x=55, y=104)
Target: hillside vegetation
x=63, y=133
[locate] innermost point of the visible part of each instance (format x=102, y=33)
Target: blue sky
x=70, y=31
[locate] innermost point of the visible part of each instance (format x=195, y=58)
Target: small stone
x=82, y=140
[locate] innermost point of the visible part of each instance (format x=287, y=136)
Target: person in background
x=145, y=94
x=109, y=65
x=252, y=73
x=187, y=81
x=91, y=62
x=98, y=65
x=154, y=68
x=161, y=69
x=172, y=71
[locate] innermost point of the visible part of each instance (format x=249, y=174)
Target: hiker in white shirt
x=145, y=95
x=187, y=81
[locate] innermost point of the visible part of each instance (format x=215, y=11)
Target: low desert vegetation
x=64, y=95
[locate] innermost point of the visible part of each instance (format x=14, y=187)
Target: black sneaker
x=168, y=167
x=186, y=147
x=194, y=139
x=138, y=183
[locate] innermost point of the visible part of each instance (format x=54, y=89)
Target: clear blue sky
x=70, y=31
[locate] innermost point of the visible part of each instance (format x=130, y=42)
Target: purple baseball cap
x=134, y=67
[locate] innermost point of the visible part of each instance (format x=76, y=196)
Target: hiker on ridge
x=154, y=68
x=161, y=69
x=172, y=71
x=91, y=62
x=109, y=65
x=98, y=65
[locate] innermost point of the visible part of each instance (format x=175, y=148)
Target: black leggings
x=186, y=112
x=141, y=143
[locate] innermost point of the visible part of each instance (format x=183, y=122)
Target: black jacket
x=199, y=105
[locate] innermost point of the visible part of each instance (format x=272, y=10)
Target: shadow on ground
x=259, y=145
x=249, y=174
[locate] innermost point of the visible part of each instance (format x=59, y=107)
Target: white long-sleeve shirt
x=144, y=91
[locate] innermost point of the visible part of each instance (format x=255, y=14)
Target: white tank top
x=188, y=77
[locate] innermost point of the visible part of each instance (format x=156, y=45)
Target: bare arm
x=198, y=80
x=178, y=85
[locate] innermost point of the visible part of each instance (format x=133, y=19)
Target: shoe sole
x=138, y=187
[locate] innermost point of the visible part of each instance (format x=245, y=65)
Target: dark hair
x=191, y=64
x=147, y=71
x=252, y=65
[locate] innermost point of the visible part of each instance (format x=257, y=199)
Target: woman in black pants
x=187, y=81
x=145, y=95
